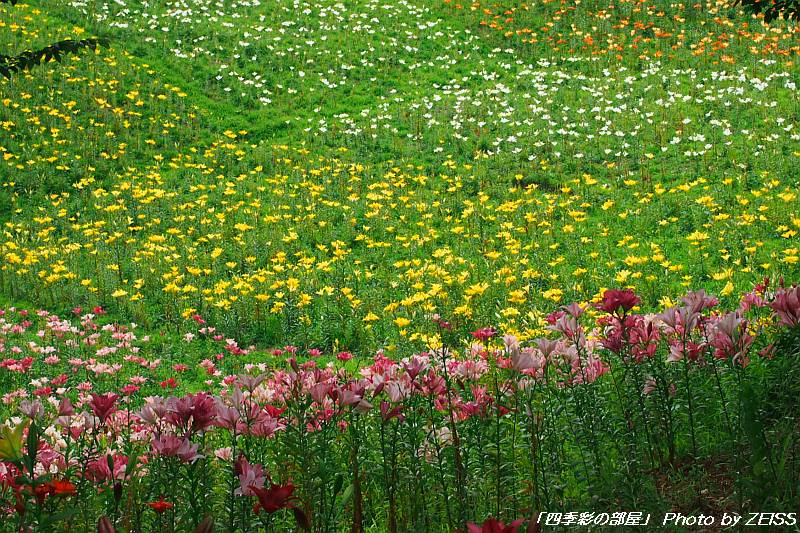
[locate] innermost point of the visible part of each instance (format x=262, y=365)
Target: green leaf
x=33, y=446
x=11, y=442
x=30, y=58
x=52, y=519
x=338, y=483
x=347, y=495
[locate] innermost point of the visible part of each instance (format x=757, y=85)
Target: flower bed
x=597, y=414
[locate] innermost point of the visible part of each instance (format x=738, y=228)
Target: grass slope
x=333, y=174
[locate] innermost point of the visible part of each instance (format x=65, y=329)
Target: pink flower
x=278, y=497
x=65, y=407
x=344, y=356
x=354, y=397
x=32, y=410
x=574, y=309
x=320, y=391
x=249, y=476
x=172, y=446
x=128, y=390
x=484, y=334
x=691, y=350
x=265, y=425
x=680, y=320
x=98, y=470
x=699, y=300
x=103, y=405
x=250, y=383
x=787, y=306
x=223, y=454
x=645, y=348
x=527, y=359
x=568, y=326
x=193, y=412
x=750, y=300
x=511, y=343
x=415, y=367
x=439, y=321
x=388, y=412
x=731, y=340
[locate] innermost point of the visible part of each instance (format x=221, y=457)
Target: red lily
x=615, y=299
x=274, y=498
x=278, y=497
x=492, y=525
x=62, y=487
x=42, y=491
x=160, y=505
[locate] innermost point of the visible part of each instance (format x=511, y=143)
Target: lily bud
x=104, y=526
x=206, y=526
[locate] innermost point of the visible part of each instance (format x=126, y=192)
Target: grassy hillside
x=324, y=173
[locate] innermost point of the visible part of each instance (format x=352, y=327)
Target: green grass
x=476, y=175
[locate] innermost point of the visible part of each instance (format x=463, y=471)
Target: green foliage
x=11, y=64
x=772, y=9
x=30, y=58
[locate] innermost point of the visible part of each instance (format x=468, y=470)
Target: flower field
x=397, y=266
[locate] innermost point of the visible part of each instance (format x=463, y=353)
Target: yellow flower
x=727, y=289
x=477, y=289
x=553, y=294
x=725, y=274
x=402, y=321
x=697, y=236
